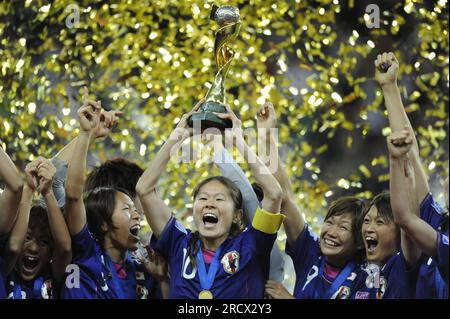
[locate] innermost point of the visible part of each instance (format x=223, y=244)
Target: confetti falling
x=153, y=60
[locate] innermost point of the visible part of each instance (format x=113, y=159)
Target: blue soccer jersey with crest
x=3, y=241
x=93, y=276
x=243, y=264
x=311, y=282
x=395, y=280
x=430, y=284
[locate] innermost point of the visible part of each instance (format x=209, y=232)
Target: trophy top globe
x=227, y=15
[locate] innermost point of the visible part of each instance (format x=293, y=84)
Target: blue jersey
x=394, y=281
x=3, y=241
x=432, y=212
x=443, y=260
x=311, y=282
x=40, y=288
x=430, y=284
x=243, y=262
x=92, y=275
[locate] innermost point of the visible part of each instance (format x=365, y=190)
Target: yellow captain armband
x=266, y=222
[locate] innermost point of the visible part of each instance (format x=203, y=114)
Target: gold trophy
x=228, y=19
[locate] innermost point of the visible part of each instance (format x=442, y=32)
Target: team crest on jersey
x=46, y=289
x=342, y=293
x=230, y=262
x=141, y=292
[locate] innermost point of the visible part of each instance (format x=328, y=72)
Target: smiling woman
x=326, y=267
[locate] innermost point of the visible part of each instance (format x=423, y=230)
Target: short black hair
x=118, y=173
x=382, y=202
x=39, y=219
x=100, y=203
x=258, y=191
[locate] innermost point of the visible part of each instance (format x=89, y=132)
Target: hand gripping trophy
x=228, y=19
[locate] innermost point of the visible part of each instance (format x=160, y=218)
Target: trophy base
x=208, y=119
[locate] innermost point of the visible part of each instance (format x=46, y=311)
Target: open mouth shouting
x=134, y=231
x=210, y=220
x=30, y=264
x=371, y=243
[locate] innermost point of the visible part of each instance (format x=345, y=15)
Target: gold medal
x=205, y=294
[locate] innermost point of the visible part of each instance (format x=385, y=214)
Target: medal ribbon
x=338, y=281
x=207, y=277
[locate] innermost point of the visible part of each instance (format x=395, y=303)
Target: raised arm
x=294, y=222
x=262, y=175
x=397, y=115
x=233, y=171
x=403, y=200
x=156, y=211
x=107, y=121
x=59, y=182
x=88, y=116
x=10, y=198
x=62, y=250
x=9, y=173
x=19, y=231
x=230, y=169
